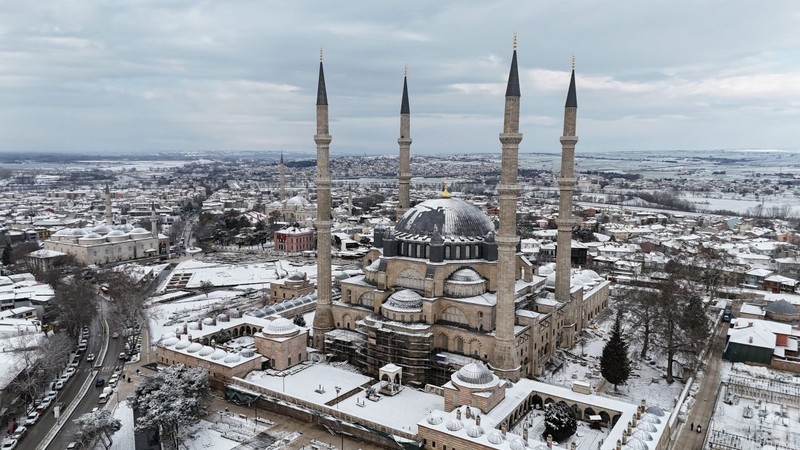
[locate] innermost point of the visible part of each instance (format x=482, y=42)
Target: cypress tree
x=614, y=364
x=6, y=256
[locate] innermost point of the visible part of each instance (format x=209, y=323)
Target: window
x=290, y=360
x=455, y=315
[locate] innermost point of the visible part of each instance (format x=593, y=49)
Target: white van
x=105, y=395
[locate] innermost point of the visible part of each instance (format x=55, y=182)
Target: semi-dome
x=475, y=431
x=207, y=350
x=434, y=419
x=450, y=216
x=405, y=299
x=194, y=347
x=455, y=425
x=496, y=437
x=280, y=325
x=475, y=373
x=466, y=275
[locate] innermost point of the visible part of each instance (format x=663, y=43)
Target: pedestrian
x=692, y=427
x=698, y=427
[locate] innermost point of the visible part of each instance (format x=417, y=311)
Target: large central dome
x=451, y=216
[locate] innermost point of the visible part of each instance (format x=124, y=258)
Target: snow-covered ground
x=305, y=383
x=585, y=438
x=191, y=274
x=10, y=360
x=165, y=317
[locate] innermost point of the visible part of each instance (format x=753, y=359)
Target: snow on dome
x=651, y=418
x=168, y=334
x=636, y=444
x=781, y=307
x=405, y=299
x=466, y=275
x=496, y=437
x=113, y=233
x=139, y=230
x=102, y=229
x=455, y=425
x=208, y=321
x=280, y=325
x=93, y=235
x=647, y=427
x=475, y=373
x=296, y=276
x=655, y=410
x=63, y=232
x=475, y=431
x=182, y=344
x=230, y=359
x=518, y=444
x=297, y=200
x=546, y=270
x=219, y=354
x=206, y=350
x=193, y=326
x=222, y=318
x=375, y=265
x=170, y=341
x=79, y=232
x=434, y=419
x=194, y=347
x=550, y=281
x=643, y=435
x=248, y=353
x=450, y=216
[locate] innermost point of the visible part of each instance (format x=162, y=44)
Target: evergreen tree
x=559, y=421
x=6, y=257
x=614, y=364
x=299, y=320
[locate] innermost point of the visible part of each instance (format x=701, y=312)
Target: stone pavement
x=706, y=397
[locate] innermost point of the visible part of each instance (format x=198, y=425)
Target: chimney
x=573, y=446
x=750, y=339
x=644, y=404
x=185, y=325
x=468, y=412
x=214, y=320
x=189, y=337
x=624, y=438
x=503, y=429
x=630, y=428
x=214, y=343
x=458, y=414
x=619, y=445
x=635, y=420
x=199, y=324
x=549, y=441
x=478, y=419
x=525, y=434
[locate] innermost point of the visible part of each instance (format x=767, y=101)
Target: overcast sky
x=126, y=76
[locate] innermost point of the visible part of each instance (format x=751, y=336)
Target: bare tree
x=36, y=359
x=640, y=305
x=206, y=287
x=99, y=425
x=176, y=231
x=127, y=302
x=75, y=304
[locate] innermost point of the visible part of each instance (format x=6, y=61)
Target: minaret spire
x=282, y=174
x=565, y=221
x=323, y=318
x=153, y=220
x=404, y=141
x=107, y=200
x=504, y=359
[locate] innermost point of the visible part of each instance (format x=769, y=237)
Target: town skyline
x=200, y=77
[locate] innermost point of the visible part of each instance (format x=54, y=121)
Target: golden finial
x=573, y=62
x=320, y=54
x=515, y=40
x=445, y=193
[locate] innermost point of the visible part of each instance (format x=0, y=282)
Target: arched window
x=447, y=252
x=366, y=300
x=455, y=315
x=458, y=252
x=427, y=251
x=419, y=250
x=410, y=279
x=466, y=252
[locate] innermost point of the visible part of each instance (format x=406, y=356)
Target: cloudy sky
x=134, y=75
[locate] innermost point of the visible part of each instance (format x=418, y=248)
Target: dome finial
x=445, y=193
x=573, y=62
x=320, y=54
x=405, y=70
x=515, y=40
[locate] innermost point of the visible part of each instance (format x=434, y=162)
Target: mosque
x=444, y=288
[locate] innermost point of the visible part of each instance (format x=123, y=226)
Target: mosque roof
x=450, y=216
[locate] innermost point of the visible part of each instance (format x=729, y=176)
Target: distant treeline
x=666, y=200
x=301, y=163
x=612, y=175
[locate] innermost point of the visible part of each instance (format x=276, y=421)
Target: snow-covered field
x=165, y=317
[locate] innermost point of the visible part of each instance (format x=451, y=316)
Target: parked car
x=90, y=357
x=50, y=395
x=74, y=364
x=59, y=385
x=9, y=444
x=123, y=356
x=19, y=432
x=115, y=335
x=72, y=445
x=46, y=402
x=69, y=372
x=113, y=381
x=32, y=418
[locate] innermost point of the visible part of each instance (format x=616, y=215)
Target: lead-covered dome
x=404, y=300
x=450, y=216
x=475, y=373
x=280, y=326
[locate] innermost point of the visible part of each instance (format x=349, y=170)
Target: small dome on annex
x=782, y=311
x=280, y=326
x=452, y=217
x=475, y=374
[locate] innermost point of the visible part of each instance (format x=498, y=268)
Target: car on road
x=75, y=363
x=69, y=372
x=72, y=445
x=9, y=444
x=115, y=335
x=100, y=382
x=19, y=432
x=123, y=356
x=59, y=385
x=50, y=395
x=90, y=357
x=113, y=381
x=32, y=418
x=46, y=402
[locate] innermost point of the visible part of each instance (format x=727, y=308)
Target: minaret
x=323, y=319
x=107, y=201
x=504, y=361
x=153, y=221
x=566, y=184
x=405, y=143
x=282, y=172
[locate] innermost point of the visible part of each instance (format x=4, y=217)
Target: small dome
x=781, y=307
x=643, y=435
x=194, y=347
x=248, y=353
x=655, y=410
x=208, y=321
x=93, y=235
x=405, y=299
x=233, y=358
x=139, y=230
x=78, y=232
x=280, y=326
x=475, y=431
x=475, y=373
x=496, y=437
x=222, y=318
x=168, y=334
x=206, y=351
x=63, y=232
x=434, y=419
x=182, y=344
x=650, y=418
x=113, y=233
x=219, y=354
x=518, y=444
x=170, y=341
x=466, y=275
x=296, y=276
x=101, y=229
x=636, y=444
x=646, y=426
x=455, y=425
x=545, y=270
x=193, y=326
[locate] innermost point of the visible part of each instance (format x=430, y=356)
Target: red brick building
x=294, y=239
